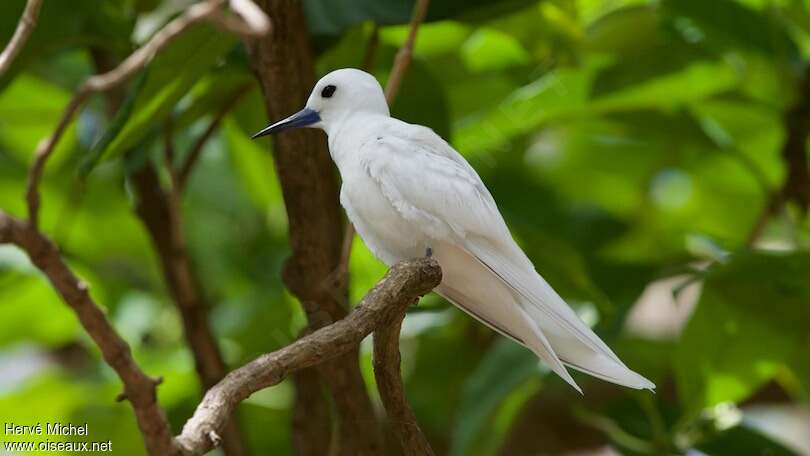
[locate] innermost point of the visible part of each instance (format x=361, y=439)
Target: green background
x=630, y=145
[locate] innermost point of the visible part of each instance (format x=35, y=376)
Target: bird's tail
x=475, y=288
x=577, y=355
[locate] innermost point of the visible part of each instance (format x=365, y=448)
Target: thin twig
x=405, y=54
x=796, y=186
x=392, y=392
x=28, y=21
x=139, y=389
x=371, y=49
x=254, y=24
x=199, y=12
x=194, y=153
x=386, y=302
x=401, y=63
x=773, y=206
x=159, y=211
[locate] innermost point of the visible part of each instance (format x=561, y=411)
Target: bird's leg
x=428, y=254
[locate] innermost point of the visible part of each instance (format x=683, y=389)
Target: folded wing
x=431, y=185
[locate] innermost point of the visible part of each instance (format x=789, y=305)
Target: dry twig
x=389, y=382
x=199, y=12
x=796, y=186
x=24, y=28
x=139, y=388
x=385, y=303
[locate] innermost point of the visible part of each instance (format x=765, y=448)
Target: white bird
x=409, y=193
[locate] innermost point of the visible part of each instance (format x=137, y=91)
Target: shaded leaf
x=503, y=369
x=172, y=73
x=750, y=322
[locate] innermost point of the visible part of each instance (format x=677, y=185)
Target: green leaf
x=212, y=93
x=505, y=368
x=30, y=108
x=254, y=166
x=697, y=81
x=32, y=311
x=331, y=17
x=565, y=93
x=66, y=25
x=751, y=322
x=726, y=25
x=421, y=88
x=556, y=94
x=115, y=127
x=172, y=73
x=491, y=50
x=619, y=31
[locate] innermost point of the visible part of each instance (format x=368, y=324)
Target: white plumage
x=406, y=190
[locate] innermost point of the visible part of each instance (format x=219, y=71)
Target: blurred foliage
x=626, y=142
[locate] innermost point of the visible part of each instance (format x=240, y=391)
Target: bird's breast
x=385, y=232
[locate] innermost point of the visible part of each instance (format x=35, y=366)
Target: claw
x=428, y=252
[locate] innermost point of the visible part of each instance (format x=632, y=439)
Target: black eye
x=328, y=91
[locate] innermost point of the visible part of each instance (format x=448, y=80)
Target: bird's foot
x=428, y=252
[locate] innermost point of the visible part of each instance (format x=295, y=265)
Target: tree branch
x=139, y=388
x=386, y=302
x=404, y=283
x=796, y=186
x=160, y=214
x=24, y=28
x=311, y=420
x=285, y=70
x=392, y=391
x=405, y=54
x=253, y=23
x=199, y=12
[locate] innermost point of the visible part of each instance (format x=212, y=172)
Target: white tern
x=410, y=194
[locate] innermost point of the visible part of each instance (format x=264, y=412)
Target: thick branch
x=139, y=389
x=24, y=28
x=159, y=211
x=386, y=302
x=283, y=63
x=311, y=420
x=205, y=11
x=392, y=391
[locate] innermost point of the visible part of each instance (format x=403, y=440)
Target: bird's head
x=336, y=96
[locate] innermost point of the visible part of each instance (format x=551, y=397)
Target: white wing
x=431, y=184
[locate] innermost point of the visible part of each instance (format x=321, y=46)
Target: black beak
x=302, y=118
